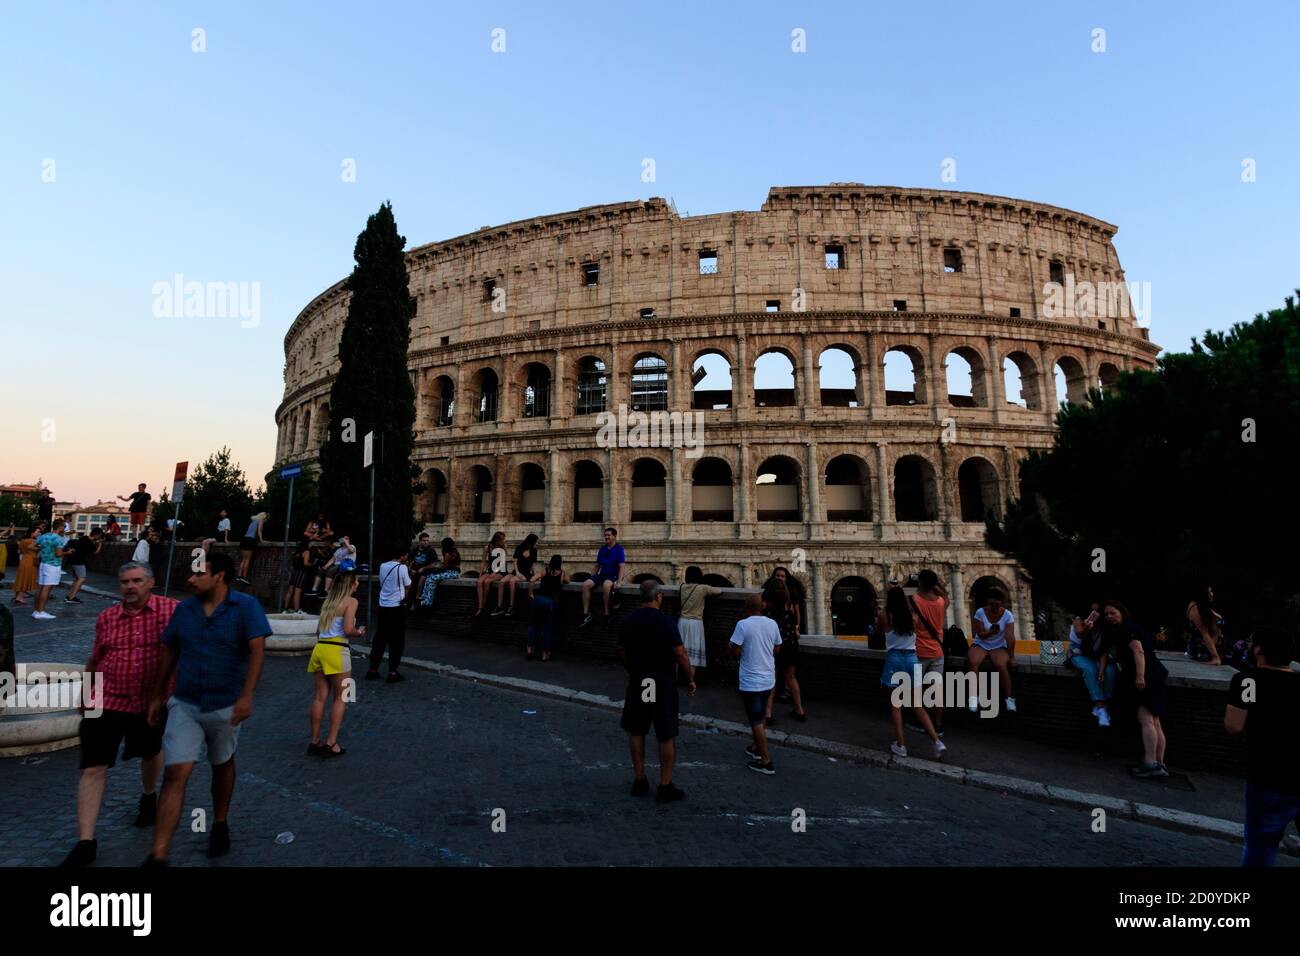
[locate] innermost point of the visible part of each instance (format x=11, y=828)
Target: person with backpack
x=929, y=607
x=549, y=589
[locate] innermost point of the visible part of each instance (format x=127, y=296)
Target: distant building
x=86, y=520
x=28, y=493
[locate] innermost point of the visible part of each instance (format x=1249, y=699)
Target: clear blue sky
x=225, y=165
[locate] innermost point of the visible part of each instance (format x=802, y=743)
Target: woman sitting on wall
x=486, y=576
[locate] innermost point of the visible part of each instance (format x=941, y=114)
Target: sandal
x=315, y=750
x=334, y=751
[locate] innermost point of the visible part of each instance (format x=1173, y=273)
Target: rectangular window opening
x=1056, y=272
x=489, y=287
x=773, y=305
x=647, y=313
x=835, y=257
x=708, y=263
x=900, y=305
x=952, y=260
x=1015, y=312
x=590, y=273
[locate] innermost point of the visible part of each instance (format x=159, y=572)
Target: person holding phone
x=995, y=638
x=1089, y=654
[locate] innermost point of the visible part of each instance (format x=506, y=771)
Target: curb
x=1164, y=817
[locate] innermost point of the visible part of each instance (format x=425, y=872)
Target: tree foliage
x=373, y=392
x=1176, y=477
x=215, y=484
x=274, y=500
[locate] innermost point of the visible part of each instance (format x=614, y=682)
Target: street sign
x=369, y=450
x=291, y=471
x=178, y=481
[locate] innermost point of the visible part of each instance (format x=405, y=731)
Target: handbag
x=1053, y=652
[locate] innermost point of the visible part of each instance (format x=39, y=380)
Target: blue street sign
x=291, y=471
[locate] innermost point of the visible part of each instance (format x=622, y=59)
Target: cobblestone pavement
x=431, y=759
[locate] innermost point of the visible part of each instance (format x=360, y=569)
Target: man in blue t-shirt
x=606, y=575
x=215, y=644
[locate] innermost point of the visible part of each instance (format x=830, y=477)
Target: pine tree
x=373, y=392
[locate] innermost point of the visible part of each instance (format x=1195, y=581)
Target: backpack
x=954, y=642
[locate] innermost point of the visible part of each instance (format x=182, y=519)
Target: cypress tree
x=373, y=392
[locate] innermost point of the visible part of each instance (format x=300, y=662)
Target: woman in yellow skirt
x=331, y=661
x=25, y=581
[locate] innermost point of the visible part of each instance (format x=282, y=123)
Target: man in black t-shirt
x=1264, y=703
x=651, y=650
x=138, y=508
x=83, y=549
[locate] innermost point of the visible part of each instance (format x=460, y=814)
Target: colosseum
x=869, y=366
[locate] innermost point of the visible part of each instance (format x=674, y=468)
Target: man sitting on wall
x=608, y=574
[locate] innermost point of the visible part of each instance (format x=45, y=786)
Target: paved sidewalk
x=1209, y=794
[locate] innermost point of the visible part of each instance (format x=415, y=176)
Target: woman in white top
x=901, y=672
x=995, y=638
x=331, y=661
x=248, y=544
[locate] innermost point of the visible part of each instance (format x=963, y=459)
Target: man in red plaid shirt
x=127, y=652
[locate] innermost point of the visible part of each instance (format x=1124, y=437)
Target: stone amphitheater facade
x=524, y=334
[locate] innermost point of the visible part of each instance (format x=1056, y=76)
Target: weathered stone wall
x=892, y=243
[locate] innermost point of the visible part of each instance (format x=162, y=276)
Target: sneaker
x=973, y=704
x=42, y=616
x=1149, y=770
x=1103, y=717
x=759, y=767
x=938, y=731
x=897, y=750
x=219, y=840
x=667, y=793
x=753, y=753
x=1011, y=705
x=640, y=787
x=499, y=611
x=83, y=854
x=148, y=809
x=72, y=600
x=586, y=619
x=939, y=749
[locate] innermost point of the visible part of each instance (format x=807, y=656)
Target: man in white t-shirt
x=390, y=632
x=755, y=641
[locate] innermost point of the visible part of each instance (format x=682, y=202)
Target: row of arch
x=777, y=492
x=775, y=383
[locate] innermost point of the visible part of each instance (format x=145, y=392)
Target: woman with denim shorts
x=901, y=671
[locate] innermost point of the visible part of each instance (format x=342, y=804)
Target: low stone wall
x=1053, y=703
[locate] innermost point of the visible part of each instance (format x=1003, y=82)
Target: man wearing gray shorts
x=215, y=644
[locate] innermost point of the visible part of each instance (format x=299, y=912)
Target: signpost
x=369, y=462
x=289, y=472
x=178, y=492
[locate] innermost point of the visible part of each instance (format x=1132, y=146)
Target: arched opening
x=1071, y=381
x=1020, y=381
x=777, y=490
x=848, y=489
x=480, y=480
x=904, y=381
x=717, y=581
x=1107, y=376
x=774, y=385
x=532, y=493
x=979, y=595
x=915, y=490
x=711, y=382
x=711, y=498
x=591, y=386
x=537, y=390
x=649, y=383
x=837, y=378
x=647, y=576
x=444, y=398
x=977, y=489
x=306, y=429
x=966, y=379
x=588, y=492
x=435, y=496
x=853, y=607
x=649, y=490
x=488, y=389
